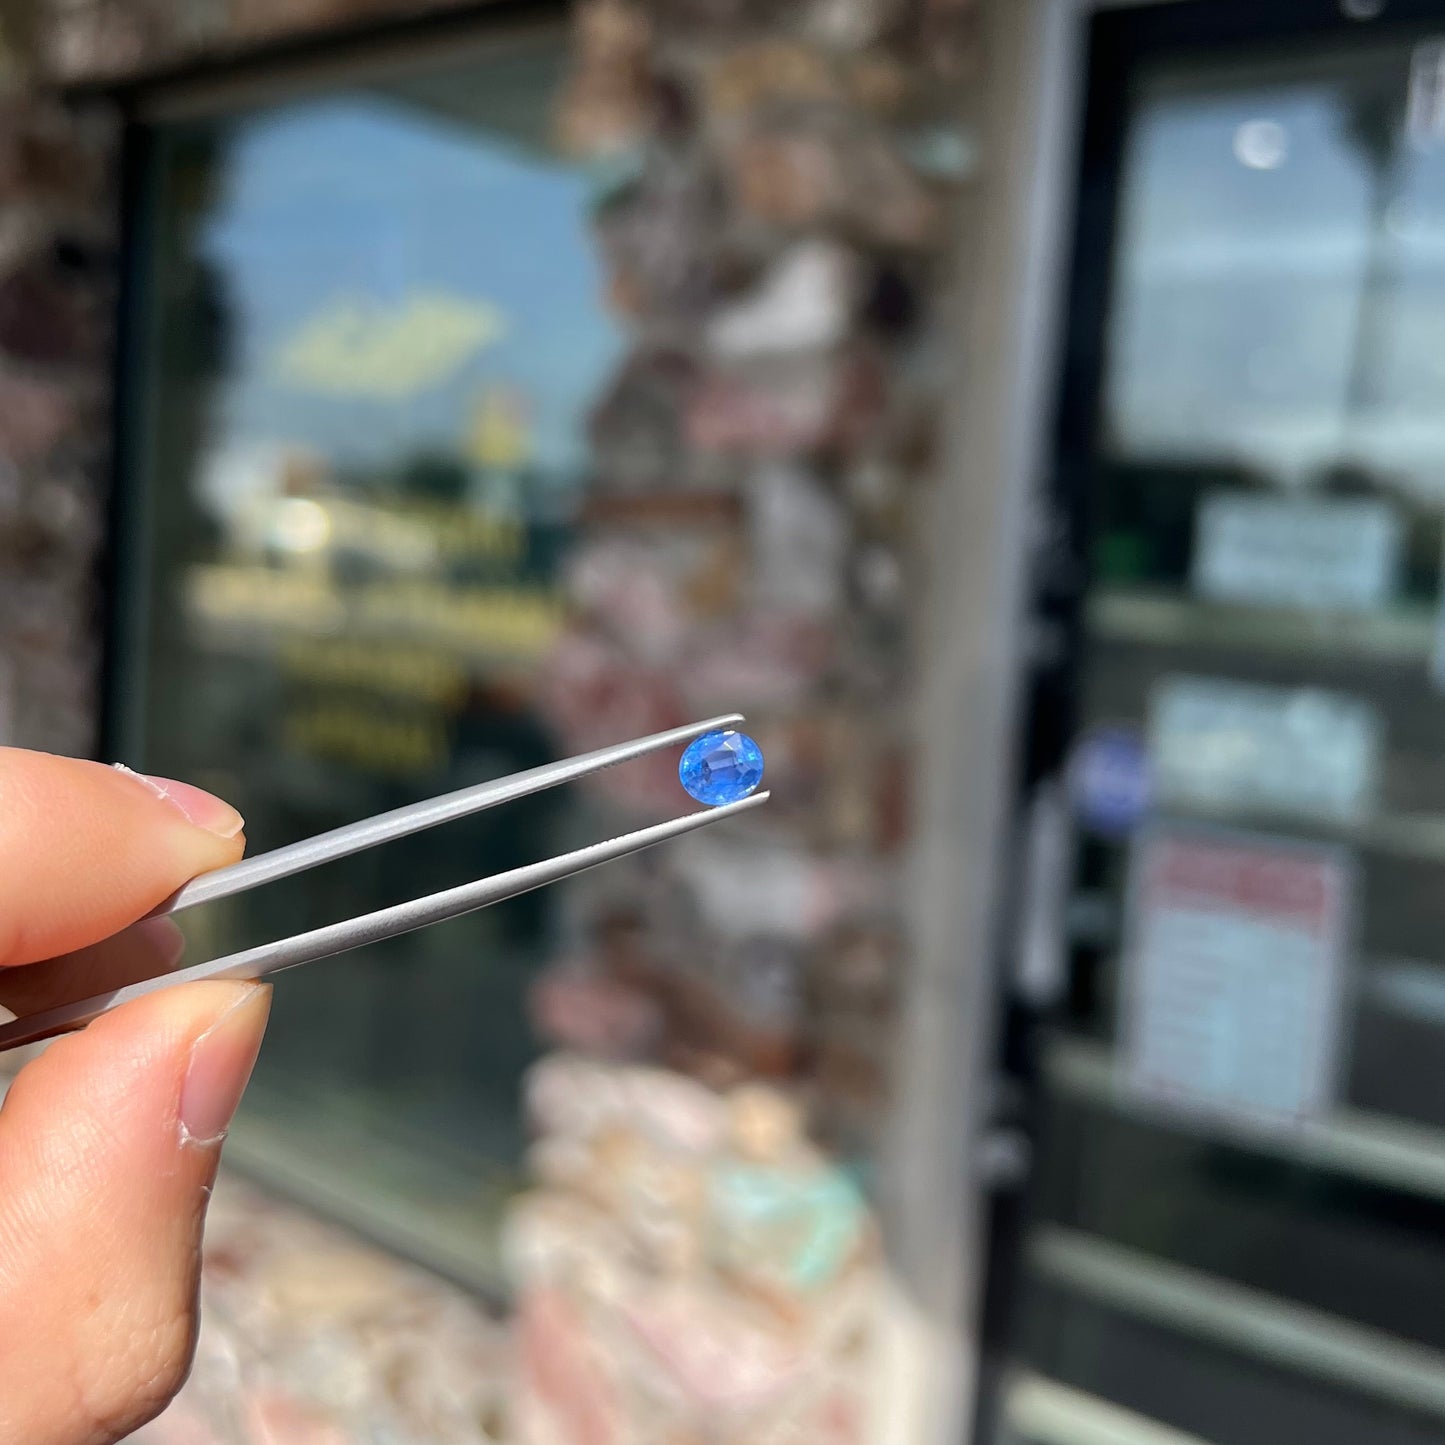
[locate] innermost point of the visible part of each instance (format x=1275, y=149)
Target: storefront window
x=372, y=327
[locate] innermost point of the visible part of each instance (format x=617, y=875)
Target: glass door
x=1236, y=1229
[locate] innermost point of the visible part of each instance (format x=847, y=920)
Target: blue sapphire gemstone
x=721, y=767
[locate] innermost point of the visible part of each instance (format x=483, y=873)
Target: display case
x=1234, y=1233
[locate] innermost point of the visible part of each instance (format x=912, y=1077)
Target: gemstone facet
x=721, y=767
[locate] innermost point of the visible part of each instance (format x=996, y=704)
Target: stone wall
x=57, y=251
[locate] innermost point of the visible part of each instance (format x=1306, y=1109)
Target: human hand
x=109, y=1140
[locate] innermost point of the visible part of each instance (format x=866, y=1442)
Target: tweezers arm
x=284, y=953
x=416, y=817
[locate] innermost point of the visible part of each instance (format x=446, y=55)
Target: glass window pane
x=366, y=402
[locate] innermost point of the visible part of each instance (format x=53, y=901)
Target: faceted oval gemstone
x=721, y=767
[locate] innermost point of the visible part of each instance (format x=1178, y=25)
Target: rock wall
x=57, y=255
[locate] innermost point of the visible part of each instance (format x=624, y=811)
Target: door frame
x=974, y=638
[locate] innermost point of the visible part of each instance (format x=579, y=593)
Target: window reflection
x=1278, y=289
x=366, y=434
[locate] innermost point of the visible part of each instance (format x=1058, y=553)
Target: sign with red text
x=1233, y=974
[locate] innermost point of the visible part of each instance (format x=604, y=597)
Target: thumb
x=108, y=1147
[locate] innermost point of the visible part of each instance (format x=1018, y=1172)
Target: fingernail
x=220, y=1066
x=164, y=938
x=203, y=809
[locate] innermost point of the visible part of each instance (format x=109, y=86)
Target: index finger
x=86, y=849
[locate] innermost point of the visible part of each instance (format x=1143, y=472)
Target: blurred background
x=1031, y=413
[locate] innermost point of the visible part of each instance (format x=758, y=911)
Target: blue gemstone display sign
x=1109, y=781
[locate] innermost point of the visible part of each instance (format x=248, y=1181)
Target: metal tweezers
x=268, y=958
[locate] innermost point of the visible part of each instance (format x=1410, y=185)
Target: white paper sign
x=1327, y=553
x=1425, y=101
x=1233, y=974
x=1226, y=746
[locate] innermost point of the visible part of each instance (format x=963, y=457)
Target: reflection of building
x=492, y=392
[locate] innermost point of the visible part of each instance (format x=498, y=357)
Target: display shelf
x=1406, y=987
x=1043, y=1412
x=1370, y=1147
x=1247, y=1321
x=1415, y=837
x=1163, y=617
